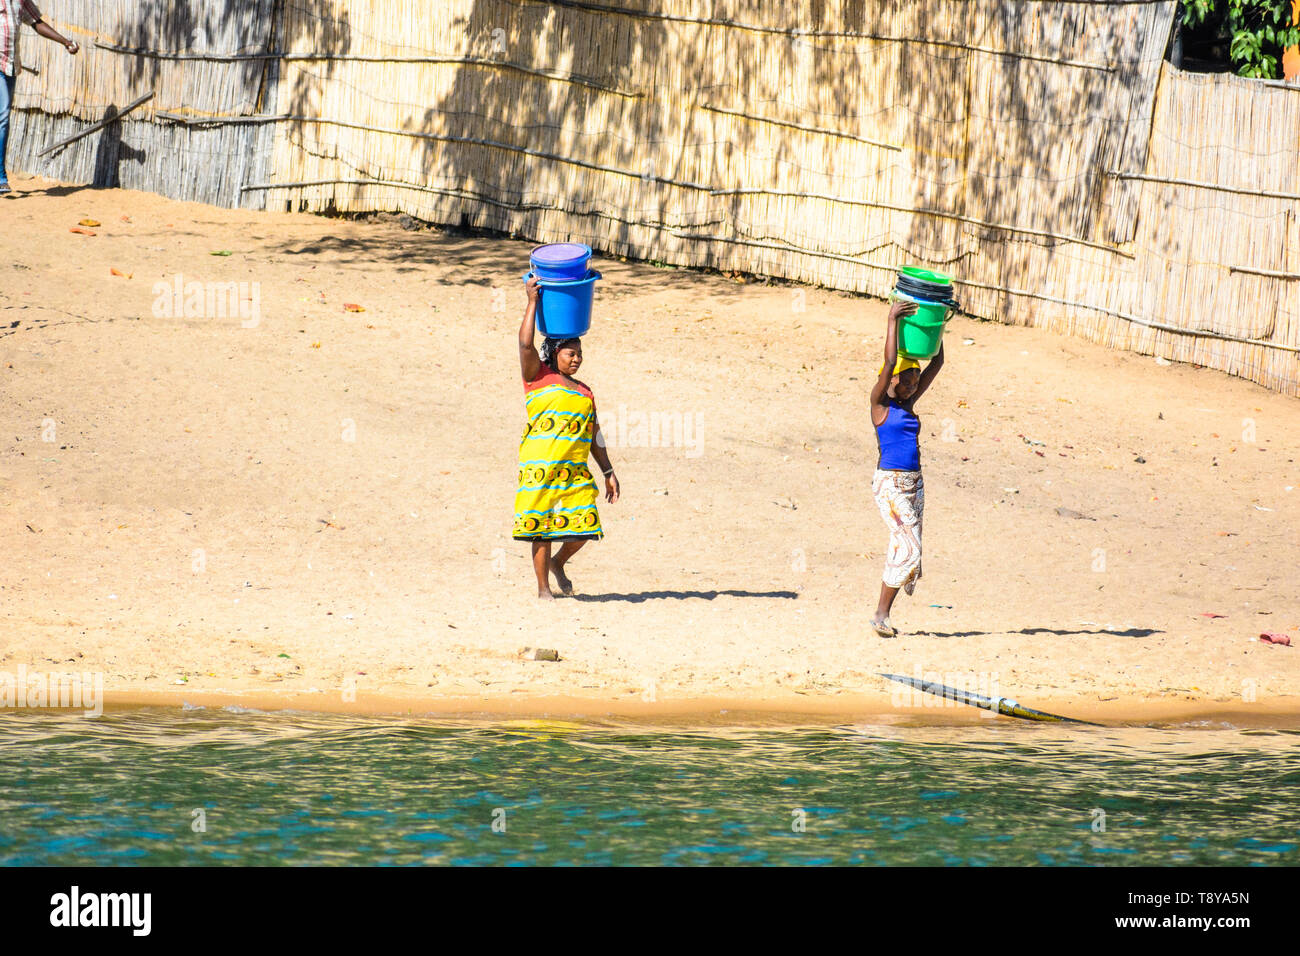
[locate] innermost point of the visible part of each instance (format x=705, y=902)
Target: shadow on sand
x=18, y=193
x=640, y=596
x=1131, y=632
x=488, y=259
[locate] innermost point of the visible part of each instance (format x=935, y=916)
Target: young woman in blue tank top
x=897, y=485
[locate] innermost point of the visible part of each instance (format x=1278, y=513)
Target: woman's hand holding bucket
x=900, y=309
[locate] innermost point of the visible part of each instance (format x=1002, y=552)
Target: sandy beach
x=310, y=505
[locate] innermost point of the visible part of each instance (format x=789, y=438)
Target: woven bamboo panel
x=1039, y=151
x=1220, y=130
x=84, y=85
x=63, y=94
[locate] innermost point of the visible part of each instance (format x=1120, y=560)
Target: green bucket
x=921, y=334
x=925, y=275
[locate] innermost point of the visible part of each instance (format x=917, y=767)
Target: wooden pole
x=1137, y=320
x=495, y=144
x=217, y=120
x=1264, y=272
x=1267, y=194
x=470, y=196
x=844, y=34
x=805, y=129
x=926, y=212
x=363, y=58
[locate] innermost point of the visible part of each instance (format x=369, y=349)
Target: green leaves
x=1196, y=12
x=1259, y=31
x=1245, y=47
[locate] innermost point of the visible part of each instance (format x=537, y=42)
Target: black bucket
x=932, y=291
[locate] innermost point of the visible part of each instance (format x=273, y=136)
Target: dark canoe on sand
x=1000, y=705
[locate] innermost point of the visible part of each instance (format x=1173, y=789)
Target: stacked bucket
x=921, y=334
x=568, y=288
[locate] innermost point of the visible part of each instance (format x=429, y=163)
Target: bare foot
x=562, y=579
x=544, y=594
x=883, y=627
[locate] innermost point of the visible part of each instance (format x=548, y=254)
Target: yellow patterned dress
x=556, y=497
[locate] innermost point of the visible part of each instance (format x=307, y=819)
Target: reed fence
x=1041, y=151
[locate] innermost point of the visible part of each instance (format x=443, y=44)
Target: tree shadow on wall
x=610, y=116
x=1002, y=139
x=1017, y=141
x=240, y=87
x=258, y=26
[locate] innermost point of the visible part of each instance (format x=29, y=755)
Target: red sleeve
x=530, y=384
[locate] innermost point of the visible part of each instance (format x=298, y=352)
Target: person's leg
x=541, y=565
x=568, y=550
x=887, y=595
x=900, y=497
x=6, y=101
x=903, y=505
x=918, y=510
x=882, y=488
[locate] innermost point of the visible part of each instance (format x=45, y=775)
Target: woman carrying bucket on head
x=897, y=485
x=556, y=498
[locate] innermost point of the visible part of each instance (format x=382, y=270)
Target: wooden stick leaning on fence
x=96, y=127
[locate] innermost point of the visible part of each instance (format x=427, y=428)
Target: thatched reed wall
x=61, y=95
x=1040, y=151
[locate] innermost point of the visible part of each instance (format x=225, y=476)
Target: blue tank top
x=899, y=439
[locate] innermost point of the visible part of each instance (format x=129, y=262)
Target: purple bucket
x=561, y=261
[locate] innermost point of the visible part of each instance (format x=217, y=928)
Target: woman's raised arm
x=529, y=361
x=930, y=372
x=879, y=390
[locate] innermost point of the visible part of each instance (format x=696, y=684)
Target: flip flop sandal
x=884, y=630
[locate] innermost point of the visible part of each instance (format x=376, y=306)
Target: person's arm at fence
x=32, y=15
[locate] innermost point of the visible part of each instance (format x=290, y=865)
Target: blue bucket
x=564, y=308
x=561, y=261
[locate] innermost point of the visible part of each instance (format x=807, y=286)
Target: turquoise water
x=305, y=789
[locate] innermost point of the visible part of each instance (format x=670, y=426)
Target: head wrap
x=550, y=346
x=903, y=364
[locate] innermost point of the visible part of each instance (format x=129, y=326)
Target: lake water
x=167, y=787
